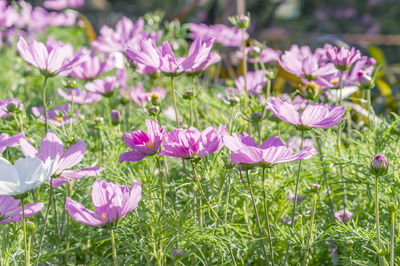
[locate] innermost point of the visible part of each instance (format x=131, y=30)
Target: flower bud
x=366, y=81
x=188, y=95
x=310, y=91
x=379, y=165
x=115, y=117
x=11, y=107
x=98, y=120
x=71, y=84
x=153, y=110
x=314, y=188
x=233, y=100
x=30, y=226
x=177, y=252
x=155, y=99
x=240, y=22
x=256, y=117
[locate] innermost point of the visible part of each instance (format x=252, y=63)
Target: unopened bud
x=71, y=84
x=155, y=99
x=240, y=22
x=98, y=120
x=115, y=117
x=256, y=117
x=12, y=107
x=153, y=110
x=30, y=226
x=315, y=188
x=366, y=81
x=379, y=165
x=233, y=100
x=188, y=95
x=311, y=90
x=177, y=252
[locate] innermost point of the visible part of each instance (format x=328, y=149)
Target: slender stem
x=196, y=176
x=24, y=227
x=16, y=121
x=45, y=222
x=369, y=104
x=294, y=203
x=392, y=229
x=257, y=217
x=46, y=123
x=55, y=211
x=161, y=183
x=114, y=251
x=171, y=192
x=266, y=217
x=68, y=190
x=311, y=232
x=174, y=101
x=244, y=64
x=328, y=189
x=378, y=231
x=339, y=146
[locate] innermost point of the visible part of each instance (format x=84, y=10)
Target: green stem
x=161, y=183
x=196, y=176
x=266, y=217
x=171, y=192
x=24, y=227
x=191, y=112
x=369, y=104
x=392, y=229
x=68, y=190
x=258, y=218
x=294, y=203
x=114, y=251
x=339, y=145
x=311, y=232
x=45, y=221
x=174, y=101
x=378, y=231
x=46, y=123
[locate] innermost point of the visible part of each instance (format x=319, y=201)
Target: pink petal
x=82, y=215
x=51, y=146
x=72, y=156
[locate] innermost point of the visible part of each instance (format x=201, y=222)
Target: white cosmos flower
x=25, y=175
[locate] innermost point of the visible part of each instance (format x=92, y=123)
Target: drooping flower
x=144, y=144
x=111, y=201
x=343, y=59
x=272, y=151
x=313, y=116
x=51, y=148
x=51, y=61
x=163, y=58
x=104, y=86
x=78, y=96
x=7, y=141
x=63, y=4
x=8, y=106
x=57, y=116
x=191, y=143
x=26, y=174
x=224, y=35
x=11, y=212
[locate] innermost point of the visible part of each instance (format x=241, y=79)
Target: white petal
x=32, y=173
x=9, y=180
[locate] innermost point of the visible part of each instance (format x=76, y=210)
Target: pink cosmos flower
x=343, y=59
x=78, y=96
x=111, y=201
x=140, y=96
x=126, y=34
x=58, y=116
x=191, y=143
x=143, y=144
x=7, y=141
x=104, y=86
x=302, y=62
x=11, y=212
x=295, y=143
x=10, y=104
x=297, y=101
x=52, y=148
x=92, y=67
x=8, y=15
x=224, y=35
x=164, y=60
x=51, y=61
x=272, y=151
x=255, y=82
x=313, y=116
x=63, y=4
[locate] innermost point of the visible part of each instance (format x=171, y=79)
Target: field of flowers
x=149, y=145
